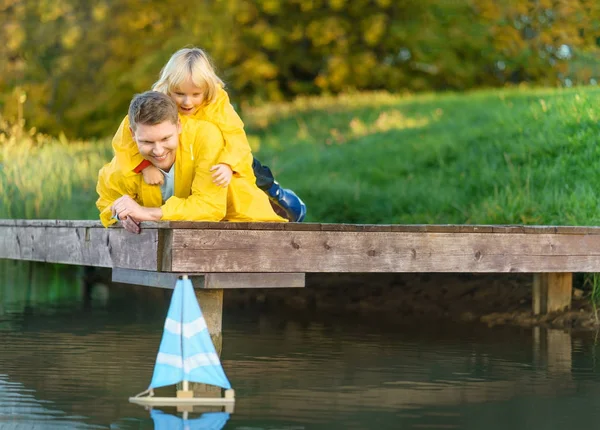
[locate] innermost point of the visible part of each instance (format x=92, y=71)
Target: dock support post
x=552, y=292
x=211, y=303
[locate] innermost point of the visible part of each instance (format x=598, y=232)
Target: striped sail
x=186, y=351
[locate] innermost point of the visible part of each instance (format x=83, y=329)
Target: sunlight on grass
x=260, y=117
x=496, y=156
x=42, y=177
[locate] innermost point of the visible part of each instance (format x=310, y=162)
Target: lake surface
x=67, y=363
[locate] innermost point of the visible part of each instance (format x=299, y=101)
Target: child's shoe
x=287, y=200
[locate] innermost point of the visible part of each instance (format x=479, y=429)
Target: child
x=190, y=80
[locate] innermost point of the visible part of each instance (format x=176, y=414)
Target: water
x=67, y=364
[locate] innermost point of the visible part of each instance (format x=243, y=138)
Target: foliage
x=79, y=62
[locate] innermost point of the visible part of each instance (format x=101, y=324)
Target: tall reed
x=45, y=177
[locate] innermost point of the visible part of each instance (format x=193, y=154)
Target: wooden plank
x=165, y=239
x=49, y=223
x=254, y=280
x=355, y=227
x=210, y=281
x=304, y=251
x=300, y=226
x=89, y=246
x=552, y=292
x=153, y=279
x=437, y=228
x=416, y=228
x=200, y=225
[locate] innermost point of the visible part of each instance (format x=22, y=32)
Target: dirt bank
x=489, y=298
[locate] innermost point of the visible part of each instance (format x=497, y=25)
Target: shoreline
x=490, y=299
x=487, y=299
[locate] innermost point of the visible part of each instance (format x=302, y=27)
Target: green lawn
x=517, y=156
x=505, y=156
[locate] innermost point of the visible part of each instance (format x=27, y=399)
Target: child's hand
x=153, y=176
x=221, y=174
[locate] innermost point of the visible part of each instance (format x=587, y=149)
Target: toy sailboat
x=186, y=354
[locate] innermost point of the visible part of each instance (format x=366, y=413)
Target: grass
x=592, y=282
x=42, y=177
x=509, y=156
x=518, y=156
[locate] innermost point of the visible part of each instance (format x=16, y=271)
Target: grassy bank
x=41, y=177
x=510, y=156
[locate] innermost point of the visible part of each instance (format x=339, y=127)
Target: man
x=184, y=150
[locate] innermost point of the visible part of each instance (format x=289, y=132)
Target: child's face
x=188, y=96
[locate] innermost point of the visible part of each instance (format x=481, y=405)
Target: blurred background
x=78, y=62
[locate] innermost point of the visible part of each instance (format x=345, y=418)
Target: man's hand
x=131, y=225
x=221, y=174
x=125, y=207
x=153, y=176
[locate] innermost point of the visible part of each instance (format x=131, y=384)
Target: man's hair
x=151, y=108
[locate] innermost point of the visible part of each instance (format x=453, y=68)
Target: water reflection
x=20, y=409
x=206, y=421
x=67, y=365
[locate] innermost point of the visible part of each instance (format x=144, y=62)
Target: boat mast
x=185, y=383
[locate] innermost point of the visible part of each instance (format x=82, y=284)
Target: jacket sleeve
x=237, y=148
x=111, y=185
x=106, y=196
x=207, y=201
x=126, y=151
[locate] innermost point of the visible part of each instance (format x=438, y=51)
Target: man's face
x=158, y=143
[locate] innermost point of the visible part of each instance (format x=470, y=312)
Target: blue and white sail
x=207, y=421
x=186, y=351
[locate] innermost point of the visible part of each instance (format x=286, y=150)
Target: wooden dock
x=254, y=255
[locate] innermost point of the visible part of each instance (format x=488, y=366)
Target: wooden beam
x=249, y=251
x=153, y=279
x=406, y=228
x=88, y=245
x=223, y=247
x=210, y=281
x=227, y=281
x=552, y=292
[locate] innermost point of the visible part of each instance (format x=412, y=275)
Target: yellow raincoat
x=196, y=197
x=237, y=153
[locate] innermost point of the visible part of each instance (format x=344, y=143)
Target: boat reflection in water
x=206, y=421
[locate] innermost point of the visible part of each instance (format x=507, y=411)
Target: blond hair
x=188, y=63
x=151, y=108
